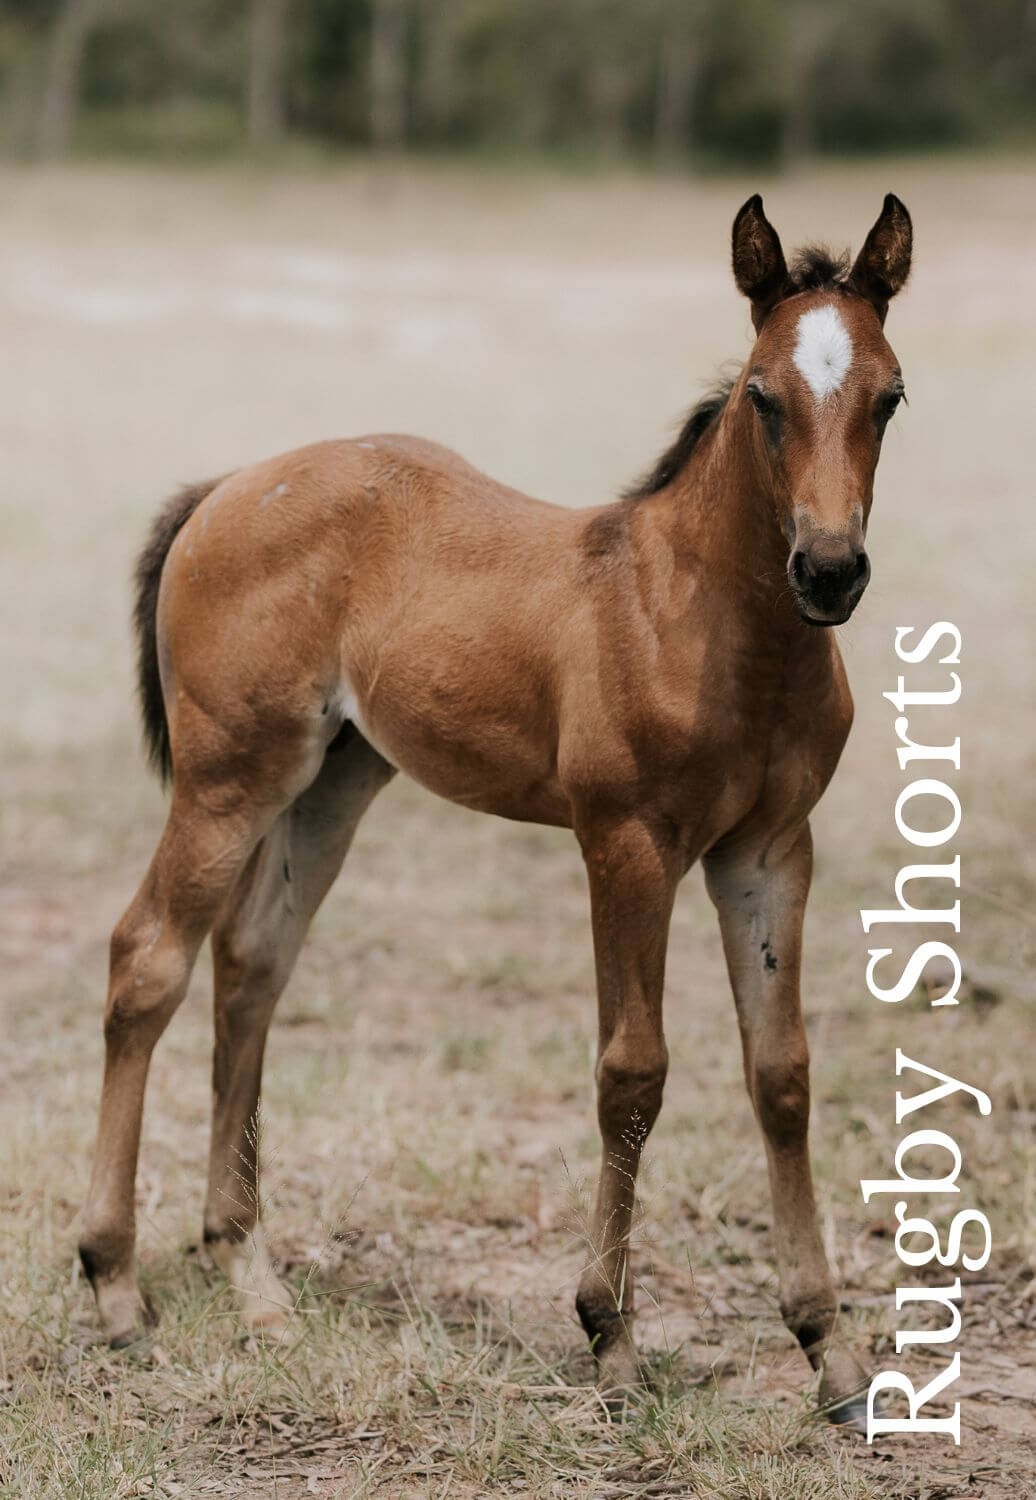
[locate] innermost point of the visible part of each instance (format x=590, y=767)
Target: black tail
x=173, y=515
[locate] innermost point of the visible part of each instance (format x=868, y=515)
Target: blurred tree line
x=708, y=79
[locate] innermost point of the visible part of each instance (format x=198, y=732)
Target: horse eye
x=887, y=405
x=764, y=404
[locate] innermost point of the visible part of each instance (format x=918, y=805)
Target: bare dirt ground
x=429, y=1129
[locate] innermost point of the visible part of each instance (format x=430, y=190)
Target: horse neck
x=719, y=517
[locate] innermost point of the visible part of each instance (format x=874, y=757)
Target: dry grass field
x=429, y=1130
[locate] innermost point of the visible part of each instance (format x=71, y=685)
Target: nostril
x=863, y=567
x=797, y=569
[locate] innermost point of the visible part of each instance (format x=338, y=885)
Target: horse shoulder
x=807, y=740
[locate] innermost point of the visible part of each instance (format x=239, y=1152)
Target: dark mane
x=815, y=268
x=699, y=420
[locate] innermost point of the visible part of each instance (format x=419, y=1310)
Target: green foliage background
x=715, y=81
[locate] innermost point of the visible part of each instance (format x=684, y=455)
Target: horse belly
x=462, y=730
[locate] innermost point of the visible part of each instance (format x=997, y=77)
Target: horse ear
x=883, y=264
x=759, y=266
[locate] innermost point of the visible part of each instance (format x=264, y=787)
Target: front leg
x=633, y=878
x=759, y=892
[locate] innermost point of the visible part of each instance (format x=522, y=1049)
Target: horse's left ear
x=883, y=264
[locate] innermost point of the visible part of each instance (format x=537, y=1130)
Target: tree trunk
x=388, y=73
x=265, y=66
x=674, y=96
x=62, y=68
x=609, y=86
x=809, y=25
x=439, y=73
x=21, y=92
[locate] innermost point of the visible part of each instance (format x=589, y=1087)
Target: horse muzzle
x=828, y=576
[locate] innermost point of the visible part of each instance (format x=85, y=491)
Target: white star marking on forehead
x=823, y=350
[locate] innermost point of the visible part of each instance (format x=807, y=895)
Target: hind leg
x=153, y=950
x=255, y=944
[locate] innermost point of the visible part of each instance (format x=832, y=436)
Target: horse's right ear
x=759, y=266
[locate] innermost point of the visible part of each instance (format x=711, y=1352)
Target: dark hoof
x=138, y=1339
x=137, y=1344
x=850, y=1414
x=616, y=1404
x=620, y=1401
x=620, y=1380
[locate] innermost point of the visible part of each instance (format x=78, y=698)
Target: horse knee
x=630, y=1080
x=244, y=954
x=780, y=1093
x=148, y=973
x=252, y=967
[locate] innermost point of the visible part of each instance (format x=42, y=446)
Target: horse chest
x=710, y=776
x=732, y=750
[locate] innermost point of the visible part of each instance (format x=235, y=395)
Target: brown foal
x=647, y=673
